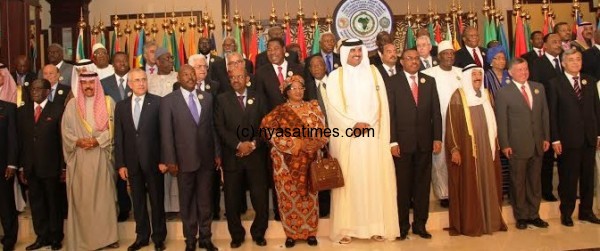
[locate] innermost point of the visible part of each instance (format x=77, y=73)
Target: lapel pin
x=212, y=60
x=248, y=84
x=207, y=87
x=60, y=92
x=584, y=82
x=250, y=101
x=507, y=81
x=290, y=73
x=422, y=81
x=435, y=63
x=48, y=119
x=335, y=65
x=60, y=78
x=536, y=91
x=128, y=94
x=287, y=54
x=200, y=96
x=26, y=84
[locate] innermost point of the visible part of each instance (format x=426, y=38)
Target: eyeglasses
x=236, y=62
x=297, y=88
x=238, y=77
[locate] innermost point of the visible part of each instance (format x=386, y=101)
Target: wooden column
x=64, y=16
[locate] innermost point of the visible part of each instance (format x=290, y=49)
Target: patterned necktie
x=151, y=70
x=577, y=87
x=427, y=65
x=38, y=112
x=241, y=101
x=122, y=88
x=414, y=89
x=524, y=92
x=392, y=72
x=557, y=66
x=328, y=61
x=280, y=75
x=476, y=58
x=193, y=107
x=137, y=111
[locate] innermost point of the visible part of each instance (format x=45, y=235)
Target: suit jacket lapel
x=145, y=106
x=405, y=84
x=516, y=92
x=203, y=105
x=184, y=105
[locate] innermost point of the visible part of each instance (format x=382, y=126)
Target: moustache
x=88, y=89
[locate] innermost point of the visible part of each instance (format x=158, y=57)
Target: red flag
x=520, y=43
x=438, y=33
x=253, y=48
x=205, y=32
x=461, y=26
x=135, y=48
x=288, y=35
x=301, y=39
x=181, y=50
x=92, y=43
x=545, y=28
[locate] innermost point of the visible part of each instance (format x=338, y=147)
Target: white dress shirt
x=284, y=67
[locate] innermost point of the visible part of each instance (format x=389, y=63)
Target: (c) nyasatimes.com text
x=301, y=132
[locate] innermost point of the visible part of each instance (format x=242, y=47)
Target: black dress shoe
x=208, y=245
x=289, y=242
x=160, y=246
x=137, y=246
x=190, y=246
x=56, y=245
x=403, y=236
x=549, y=197
x=8, y=248
x=312, y=241
x=236, y=243
x=123, y=217
x=537, y=222
x=590, y=218
x=277, y=217
x=37, y=245
x=260, y=241
x=566, y=221
x=445, y=203
x=521, y=224
x=422, y=233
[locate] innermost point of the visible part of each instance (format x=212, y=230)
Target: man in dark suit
x=425, y=32
x=542, y=70
x=537, y=42
x=23, y=76
x=8, y=167
x=270, y=77
x=40, y=156
x=471, y=52
x=591, y=58
x=243, y=157
x=218, y=72
x=426, y=58
x=117, y=88
x=55, y=57
x=58, y=91
x=262, y=58
x=416, y=129
x=524, y=135
x=574, y=125
x=382, y=39
x=150, y=58
x=389, y=68
x=204, y=47
x=137, y=159
x=188, y=150
x=332, y=60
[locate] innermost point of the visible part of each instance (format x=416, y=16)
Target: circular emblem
x=207, y=87
x=287, y=54
x=508, y=81
x=248, y=84
x=250, y=101
x=290, y=73
x=26, y=84
x=128, y=94
x=583, y=82
x=422, y=81
x=22, y=103
x=60, y=92
x=536, y=91
x=212, y=60
x=435, y=63
x=60, y=78
x=362, y=19
x=483, y=53
x=458, y=78
x=200, y=96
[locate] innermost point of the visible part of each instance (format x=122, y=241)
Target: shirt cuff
x=556, y=142
x=238, y=145
x=12, y=167
x=393, y=144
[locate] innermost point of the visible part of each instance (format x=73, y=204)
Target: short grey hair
x=235, y=53
x=327, y=33
x=426, y=38
x=192, y=59
x=515, y=61
x=135, y=70
x=568, y=52
x=149, y=44
x=56, y=45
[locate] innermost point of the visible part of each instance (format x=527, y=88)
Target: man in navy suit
x=188, y=150
x=137, y=158
x=117, y=88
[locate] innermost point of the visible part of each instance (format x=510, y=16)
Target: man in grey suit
x=188, y=150
x=55, y=57
x=524, y=135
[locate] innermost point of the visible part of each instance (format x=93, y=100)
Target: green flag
x=316, y=47
x=410, y=37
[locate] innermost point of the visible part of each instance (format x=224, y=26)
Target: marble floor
x=556, y=237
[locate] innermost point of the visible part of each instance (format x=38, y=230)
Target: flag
x=316, y=46
x=237, y=37
x=32, y=51
x=503, y=40
x=253, y=47
x=438, y=33
x=576, y=23
x=410, y=37
x=301, y=39
x=174, y=51
x=431, y=35
x=80, y=53
x=181, y=52
x=136, y=41
x=489, y=30
x=527, y=36
x=165, y=42
x=262, y=43
x=448, y=32
x=520, y=47
x=455, y=40
x=213, y=43
x=243, y=42
x=458, y=31
x=126, y=46
x=205, y=32
x=288, y=34
x=113, y=43
x=102, y=39
x=139, y=53
x=546, y=29
x=193, y=42
x=92, y=43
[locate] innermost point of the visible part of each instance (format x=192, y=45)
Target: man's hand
x=87, y=143
x=557, y=147
x=245, y=149
x=598, y=144
x=396, y=151
x=507, y=152
x=163, y=168
x=360, y=126
x=456, y=157
x=217, y=161
x=123, y=173
x=22, y=177
x=546, y=145
x=9, y=173
x=437, y=146
x=63, y=176
x=173, y=169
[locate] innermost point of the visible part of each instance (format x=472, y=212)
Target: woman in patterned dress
x=293, y=150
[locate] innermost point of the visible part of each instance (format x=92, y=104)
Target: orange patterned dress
x=292, y=154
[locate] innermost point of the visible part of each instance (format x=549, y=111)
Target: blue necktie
x=50, y=96
x=193, y=108
x=328, y=61
x=137, y=110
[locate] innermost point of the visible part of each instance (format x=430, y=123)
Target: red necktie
x=151, y=70
x=414, y=89
x=38, y=112
x=541, y=53
x=476, y=58
x=577, y=87
x=280, y=75
x=525, y=96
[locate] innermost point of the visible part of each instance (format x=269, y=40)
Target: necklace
x=301, y=103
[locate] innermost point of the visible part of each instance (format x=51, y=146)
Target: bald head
x=51, y=73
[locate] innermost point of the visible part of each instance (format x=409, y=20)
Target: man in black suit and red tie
x=263, y=58
x=416, y=132
x=40, y=156
x=471, y=52
x=8, y=168
x=137, y=159
x=189, y=150
x=537, y=42
x=575, y=135
x=244, y=156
